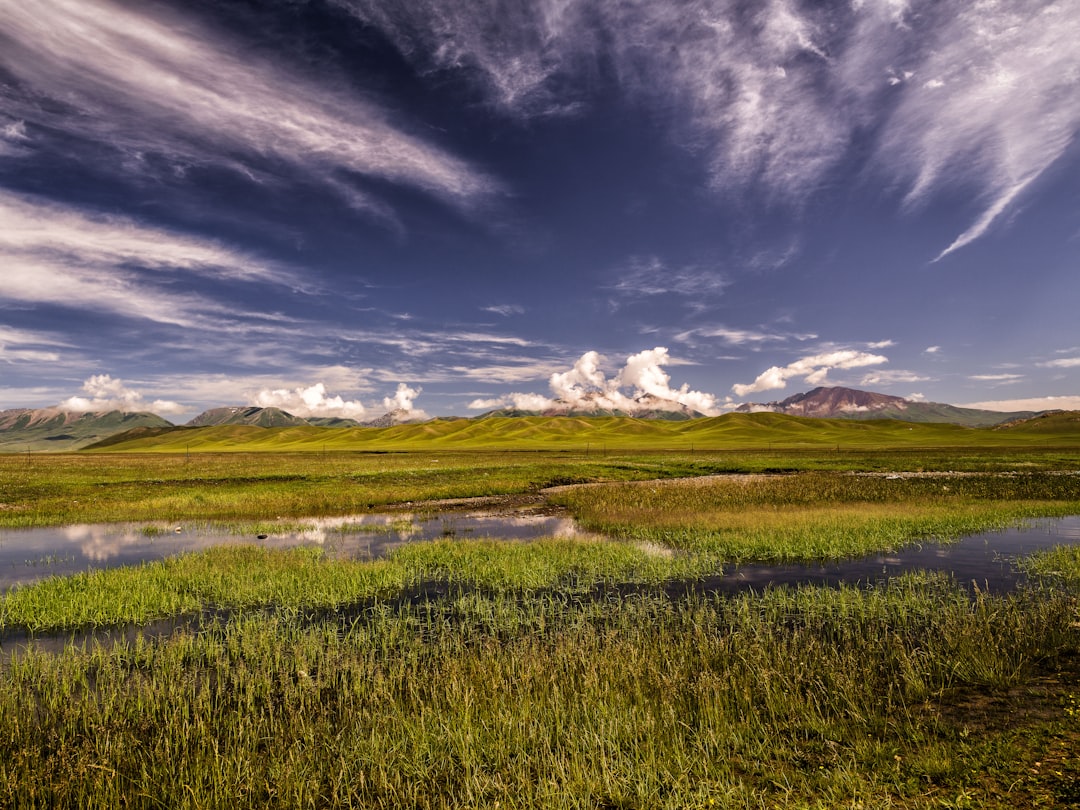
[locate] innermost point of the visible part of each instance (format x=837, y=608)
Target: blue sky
x=343, y=206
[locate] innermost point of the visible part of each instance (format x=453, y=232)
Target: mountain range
x=26, y=429
x=848, y=403
x=35, y=429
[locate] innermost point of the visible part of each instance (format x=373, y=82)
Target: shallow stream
x=986, y=561
x=29, y=555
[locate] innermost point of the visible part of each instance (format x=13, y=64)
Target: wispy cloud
x=739, y=337
x=992, y=104
x=813, y=370
x=1061, y=362
x=57, y=255
x=1052, y=403
x=892, y=377
x=140, y=82
x=774, y=94
x=997, y=378
x=26, y=346
x=506, y=310
x=646, y=276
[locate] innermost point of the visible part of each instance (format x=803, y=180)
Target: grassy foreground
x=539, y=680
x=900, y=697
x=58, y=489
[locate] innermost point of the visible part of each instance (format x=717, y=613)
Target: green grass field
x=541, y=679
x=600, y=434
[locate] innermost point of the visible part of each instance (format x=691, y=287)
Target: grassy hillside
x=731, y=431
x=52, y=430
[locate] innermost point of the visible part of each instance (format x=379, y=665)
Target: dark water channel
x=987, y=561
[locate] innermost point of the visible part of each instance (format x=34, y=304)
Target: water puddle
x=29, y=555
x=987, y=560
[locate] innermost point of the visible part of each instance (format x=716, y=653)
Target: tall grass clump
x=816, y=515
x=241, y=577
x=796, y=698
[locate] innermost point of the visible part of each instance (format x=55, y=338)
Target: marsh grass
x=59, y=489
x=239, y=577
x=815, y=515
x=51, y=490
x=796, y=698
x=527, y=686
x=1059, y=565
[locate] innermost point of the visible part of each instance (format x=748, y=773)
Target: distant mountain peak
x=57, y=429
x=837, y=402
x=246, y=415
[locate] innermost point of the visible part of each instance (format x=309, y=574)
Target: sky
x=344, y=207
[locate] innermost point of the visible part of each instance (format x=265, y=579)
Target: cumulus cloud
x=142, y=83
x=814, y=370
x=313, y=400
x=103, y=393
x=641, y=384
x=310, y=401
x=403, y=400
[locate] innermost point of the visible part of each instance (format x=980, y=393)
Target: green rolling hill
x=731, y=431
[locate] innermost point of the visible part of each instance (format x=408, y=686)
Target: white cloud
x=647, y=276
x=1063, y=362
x=107, y=394
x=814, y=370
x=314, y=401
x=891, y=377
x=998, y=378
x=58, y=255
x=24, y=346
x=775, y=93
x=739, y=337
x=1052, y=403
x=309, y=401
x=143, y=81
x=932, y=350
x=1000, y=108
x=506, y=310
x=403, y=399
x=641, y=385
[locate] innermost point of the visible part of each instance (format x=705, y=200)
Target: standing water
x=29, y=555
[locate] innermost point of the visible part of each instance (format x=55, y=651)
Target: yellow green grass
x=599, y=434
x=526, y=686
x=816, y=515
